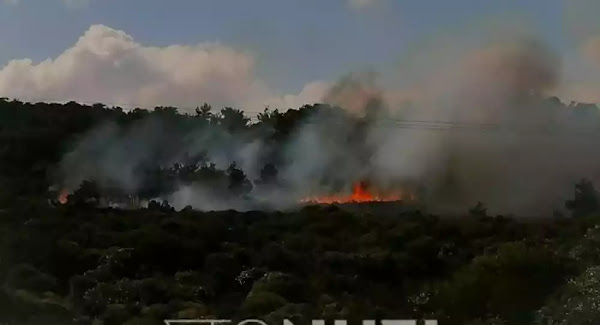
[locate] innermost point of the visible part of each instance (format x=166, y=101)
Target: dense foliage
x=141, y=266
x=83, y=264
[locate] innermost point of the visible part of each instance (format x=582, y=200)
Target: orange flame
x=63, y=196
x=360, y=194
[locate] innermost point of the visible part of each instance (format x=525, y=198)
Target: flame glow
x=361, y=193
x=63, y=196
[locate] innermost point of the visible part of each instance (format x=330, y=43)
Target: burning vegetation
x=132, y=265
x=221, y=161
x=362, y=192
x=63, y=196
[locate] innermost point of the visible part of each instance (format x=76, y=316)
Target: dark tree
x=268, y=117
x=160, y=207
x=238, y=182
x=233, y=120
x=585, y=200
x=269, y=175
x=88, y=194
x=479, y=210
x=204, y=111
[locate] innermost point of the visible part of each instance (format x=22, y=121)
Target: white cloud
x=109, y=66
x=311, y=93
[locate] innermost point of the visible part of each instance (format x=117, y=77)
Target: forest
x=71, y=252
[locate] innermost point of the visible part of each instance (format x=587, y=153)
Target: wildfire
x=360, y=194
x=62, y=196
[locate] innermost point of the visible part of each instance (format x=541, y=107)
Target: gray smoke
x=474, y=129
x=112, y=155
x=496, y=140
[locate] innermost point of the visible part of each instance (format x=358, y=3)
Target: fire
x=361, y=193
x=63, y=196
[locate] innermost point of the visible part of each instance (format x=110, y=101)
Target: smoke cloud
x=497, y=140
x=480, y=128
x=477, y=124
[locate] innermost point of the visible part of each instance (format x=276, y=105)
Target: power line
x=437, y=125
x=431, y=125
x=471, y=126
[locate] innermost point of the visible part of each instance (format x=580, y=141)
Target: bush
x=285, y=285
x=577, y=303
x=261, y=303
x=27, y=277
x=115, y=314
x=191, y=310
x=509, y=283
x=296, y=313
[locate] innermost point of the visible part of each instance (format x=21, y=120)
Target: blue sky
x=293, y=43
x=296, y=41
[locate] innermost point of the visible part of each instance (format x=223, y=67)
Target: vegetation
x=83, y=263
x=80, y=265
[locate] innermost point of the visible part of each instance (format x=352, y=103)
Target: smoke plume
x=481, y=126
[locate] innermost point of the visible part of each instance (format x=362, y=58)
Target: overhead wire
x=436, y=125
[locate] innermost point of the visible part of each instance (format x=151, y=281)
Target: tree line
x=81, y=263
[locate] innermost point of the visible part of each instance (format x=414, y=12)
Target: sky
x=250, y=53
